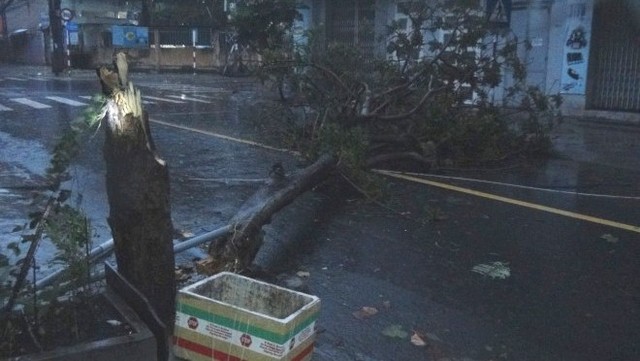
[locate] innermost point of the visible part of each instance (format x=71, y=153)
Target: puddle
x=29, y=154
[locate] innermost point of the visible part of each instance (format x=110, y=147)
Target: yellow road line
x=535, y=206
x=225, y=137
x=398, y=175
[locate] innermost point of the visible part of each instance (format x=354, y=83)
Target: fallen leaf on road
x=114, y=322
x=303, y=274
x=417, y=339
x=610, y=238
x=395, y=331
x=494, y=270
x=365, y=312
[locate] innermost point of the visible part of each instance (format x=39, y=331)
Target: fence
x=168, y=48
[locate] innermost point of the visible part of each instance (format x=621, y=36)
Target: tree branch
x=409, y=113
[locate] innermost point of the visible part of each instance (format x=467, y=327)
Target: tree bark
x=138, y=191
x=237, y=251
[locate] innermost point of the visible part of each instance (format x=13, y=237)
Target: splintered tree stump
x=138, y=192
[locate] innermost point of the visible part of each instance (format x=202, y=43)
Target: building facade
x=593, y=56
x=87, y=27
x=587, y=50
x=26, y=24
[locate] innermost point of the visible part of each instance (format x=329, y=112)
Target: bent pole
x=106, y=248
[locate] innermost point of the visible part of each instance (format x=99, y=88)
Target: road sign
x=66, y=14
x=71, y=26
x=499, y=12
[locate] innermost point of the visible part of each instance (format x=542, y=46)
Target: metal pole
x=194, y=39
x=197, y=240
x=96, y=253
x=57, y=37
x=68, y=48
x=105, y=248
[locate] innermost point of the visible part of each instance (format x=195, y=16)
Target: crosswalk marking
x=62, y=100
x=163, y=99
x=30, y=103
x=176, y=99
x=88, y=97
x=184, y=97
x=185, y=88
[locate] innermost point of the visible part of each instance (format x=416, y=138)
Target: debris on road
x=365, y=312
x=610, y=238
x=417, y=339
x=494, y=270
x=395, y=331
x=303, y=274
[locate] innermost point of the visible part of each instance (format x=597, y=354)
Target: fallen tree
x=237, y=250
x=428, y=102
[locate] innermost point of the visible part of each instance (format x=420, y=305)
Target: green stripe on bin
x=244, y=327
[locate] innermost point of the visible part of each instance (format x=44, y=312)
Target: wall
x=574, y=104
x=30, y=16
x=537, y=33
x=163, y=59
x=102, y=11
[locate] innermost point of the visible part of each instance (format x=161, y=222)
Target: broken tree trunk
x=237, y=250
x=138, y=191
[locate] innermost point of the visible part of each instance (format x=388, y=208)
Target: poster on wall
x=130, y=36
x=576, y=44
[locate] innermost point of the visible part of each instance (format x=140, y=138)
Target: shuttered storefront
x=614, y=72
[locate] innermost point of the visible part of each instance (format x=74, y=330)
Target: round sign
x=192, y=322
x=245, y=340
x=66, y=14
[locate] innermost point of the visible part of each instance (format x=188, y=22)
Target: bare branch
x=417, y=107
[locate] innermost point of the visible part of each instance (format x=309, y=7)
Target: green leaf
x=494, y=270
x=15, y=247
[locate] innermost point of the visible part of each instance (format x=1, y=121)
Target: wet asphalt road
x=573, y=291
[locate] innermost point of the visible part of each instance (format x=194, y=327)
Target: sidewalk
x=600, y=141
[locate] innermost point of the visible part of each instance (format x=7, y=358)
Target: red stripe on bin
x=204, y=350
x=303, y=353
